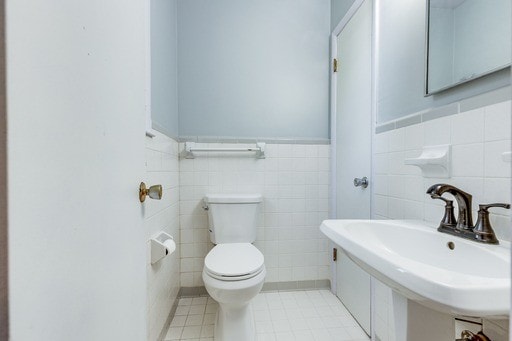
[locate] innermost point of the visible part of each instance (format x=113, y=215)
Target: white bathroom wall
x=293, y=179
x=478, y=137
x=163, y=278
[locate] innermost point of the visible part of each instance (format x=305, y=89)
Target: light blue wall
x=338, y=10
x=254, y=68
x=164, y=80
x=401, y=59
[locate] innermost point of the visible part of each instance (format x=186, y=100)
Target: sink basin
x=443, y=272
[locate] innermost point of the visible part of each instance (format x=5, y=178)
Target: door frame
x=333, y=159
x=334, y=54
x=4, y=276
x=374, y=93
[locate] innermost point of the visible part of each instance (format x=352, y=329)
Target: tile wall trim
x=234, y=139
x=167, y=323
x=192, y=292
x=297, y=285
x=271, y=286
x=482, y=100
x=161, y=129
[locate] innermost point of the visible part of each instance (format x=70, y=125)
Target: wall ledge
x=269, y=140
x=492, y=97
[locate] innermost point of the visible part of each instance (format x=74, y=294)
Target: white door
x=76, y=113
x=352, y=112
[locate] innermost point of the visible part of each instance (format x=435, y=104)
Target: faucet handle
x=448, y=220
x=487, y=206
x=483, y=230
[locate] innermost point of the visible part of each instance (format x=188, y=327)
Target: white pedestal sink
x=443, y=272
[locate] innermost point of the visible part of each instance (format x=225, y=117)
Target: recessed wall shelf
x=434, y=161
x=190, y=149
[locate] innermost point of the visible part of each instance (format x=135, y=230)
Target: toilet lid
x=234, y=260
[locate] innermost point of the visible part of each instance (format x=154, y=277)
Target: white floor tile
x=207, y=331
x=178, y=321
x=285, y=336
x=266, y=337
x=194, y=320
x=197, y=309
x=191, y=332
x=185, y=301
x=279, y=316
x=209, y=319
x=174, y=333
x=264, y=327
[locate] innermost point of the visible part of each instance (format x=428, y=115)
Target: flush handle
x=361, y=182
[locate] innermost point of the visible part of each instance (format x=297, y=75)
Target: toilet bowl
x=234, y=270
x=233, y=275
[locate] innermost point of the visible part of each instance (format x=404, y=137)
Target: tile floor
x=286, y=315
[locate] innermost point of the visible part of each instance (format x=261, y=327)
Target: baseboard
x=297, y=285
x=269, y=286
x=192, y=292
x=169, y=318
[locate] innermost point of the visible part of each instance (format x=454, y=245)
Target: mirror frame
x=427, y=91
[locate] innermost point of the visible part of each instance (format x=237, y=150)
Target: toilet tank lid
x=232, y=198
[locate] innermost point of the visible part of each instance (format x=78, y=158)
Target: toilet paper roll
x=170, y=246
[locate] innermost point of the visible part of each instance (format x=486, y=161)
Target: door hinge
x=334, y=254
x=335, y=65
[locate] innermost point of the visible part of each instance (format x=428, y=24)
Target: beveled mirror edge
x=499, y=68
x=427, y=30
x=426, y=92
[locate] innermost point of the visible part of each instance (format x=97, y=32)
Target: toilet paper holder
x=161, y=245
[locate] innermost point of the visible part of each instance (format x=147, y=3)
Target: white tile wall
x=478, y=137
x=163, y=284
x=294, y=181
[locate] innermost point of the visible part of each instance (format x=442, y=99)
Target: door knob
x=361, y=182
x=154, y=192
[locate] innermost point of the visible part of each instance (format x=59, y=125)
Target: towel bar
x=190, y=149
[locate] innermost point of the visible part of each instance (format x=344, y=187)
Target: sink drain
x=450, y=245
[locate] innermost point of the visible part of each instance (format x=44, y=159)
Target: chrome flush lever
x=361, y=182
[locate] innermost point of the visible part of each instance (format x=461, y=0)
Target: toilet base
x=235, y=324
x=235, y=320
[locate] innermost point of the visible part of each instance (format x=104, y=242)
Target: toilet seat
x=234, y=262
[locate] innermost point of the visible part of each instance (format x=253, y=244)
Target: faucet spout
x=465, y=219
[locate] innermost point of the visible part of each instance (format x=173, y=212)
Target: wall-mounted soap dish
x=434, y=161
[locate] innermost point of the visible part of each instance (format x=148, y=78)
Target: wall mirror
x=466, y=39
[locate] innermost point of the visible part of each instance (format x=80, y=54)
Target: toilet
x=234, y=270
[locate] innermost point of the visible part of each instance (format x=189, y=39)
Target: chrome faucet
x=465, y=219
x=463, y=227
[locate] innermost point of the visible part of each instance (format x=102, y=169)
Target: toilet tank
x=232, y=217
